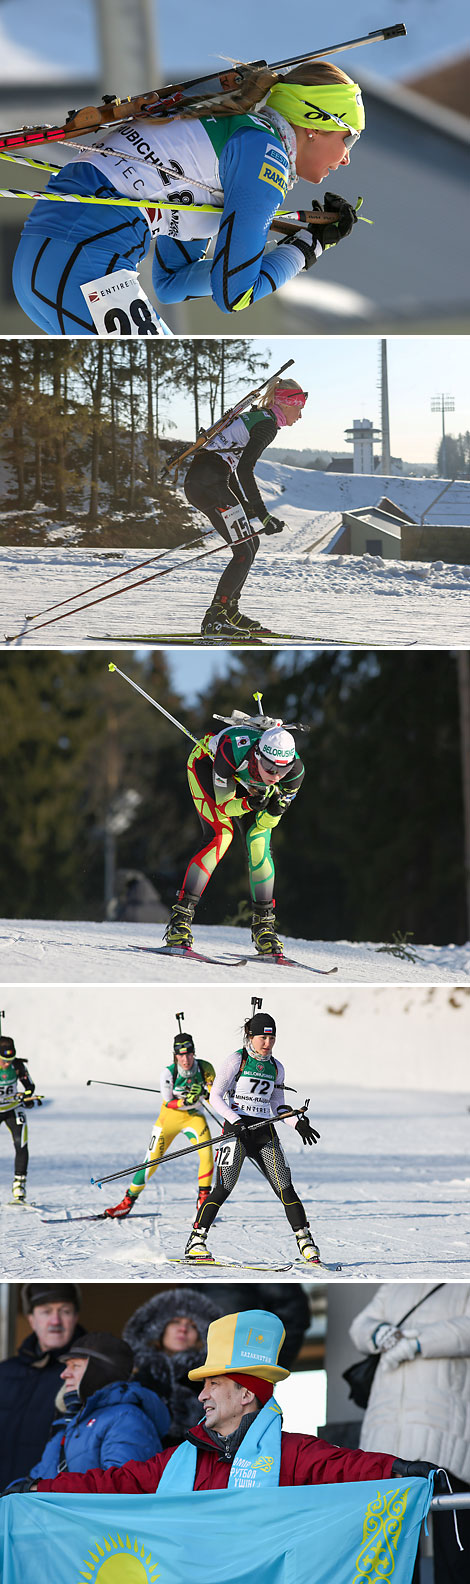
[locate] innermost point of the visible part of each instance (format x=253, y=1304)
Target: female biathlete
x=250, y=1085
x=12, y=1102
x=221, y=483
x=239, y=771
x=183, y=1084
x=244, y=164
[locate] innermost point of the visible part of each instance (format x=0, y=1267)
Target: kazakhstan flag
x=363, y=1533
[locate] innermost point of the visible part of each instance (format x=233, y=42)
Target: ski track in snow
x=57, y=952
x=321, y=598
x=386, y=1190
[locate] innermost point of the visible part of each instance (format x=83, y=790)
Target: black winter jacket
x=29, y=1383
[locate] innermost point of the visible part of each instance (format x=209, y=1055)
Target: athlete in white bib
x=241, y=165
x=248, y=1092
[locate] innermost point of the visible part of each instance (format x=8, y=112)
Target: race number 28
x=139, y=314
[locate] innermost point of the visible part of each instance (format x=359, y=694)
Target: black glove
x=308, y=1134
x=19, y=1485
x=240, y=1130
x=329, y=235
x=257, y=798
x=419, y=1470
x=27, y=1098
x=272, y=525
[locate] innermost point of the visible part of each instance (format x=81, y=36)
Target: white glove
x=385, y=1336
x=407, y=1348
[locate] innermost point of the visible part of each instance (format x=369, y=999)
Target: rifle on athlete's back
x=234, y=90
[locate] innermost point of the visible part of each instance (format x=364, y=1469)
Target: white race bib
x=252, y=1096
x=225, y=1153
x=119, y=307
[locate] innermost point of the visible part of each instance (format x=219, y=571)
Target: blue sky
x=192, y=36
x=341, y=375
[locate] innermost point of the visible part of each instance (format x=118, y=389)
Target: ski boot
x=245, y=624
x=216, y=623
x=196, y=1247
x=18, y=1192
x=306, y=1246
x=117, y=1212
x=263, y=932
x=201, y=1198
x=178, y=929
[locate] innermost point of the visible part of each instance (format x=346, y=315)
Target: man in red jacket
x=240, y=1416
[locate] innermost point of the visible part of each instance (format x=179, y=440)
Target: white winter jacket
x=422, y=1408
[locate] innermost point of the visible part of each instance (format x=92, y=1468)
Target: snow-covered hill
x=435, y=500
x=377, y=1037
x=47, y=952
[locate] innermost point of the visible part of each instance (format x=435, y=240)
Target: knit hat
x=7, y=1047
x=244, y=1344
x=261, y=1023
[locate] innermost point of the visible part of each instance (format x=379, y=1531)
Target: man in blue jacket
x=105, y=1418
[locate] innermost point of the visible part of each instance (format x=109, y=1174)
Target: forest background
x=86, y=431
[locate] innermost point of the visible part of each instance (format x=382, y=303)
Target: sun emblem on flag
x=114, y=1560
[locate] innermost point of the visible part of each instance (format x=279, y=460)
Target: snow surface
x=45, y=951
x=386, y=1192
x=294, y=586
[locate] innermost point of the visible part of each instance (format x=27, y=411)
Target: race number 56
x=119, y=307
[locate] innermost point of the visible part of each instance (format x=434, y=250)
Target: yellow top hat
x=247, y=1343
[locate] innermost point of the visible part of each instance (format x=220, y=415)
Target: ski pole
x=181, y=566
x=98, y=1181
x=172, y=718
x=107, y=1083
x=127, y=572
x=150, y=700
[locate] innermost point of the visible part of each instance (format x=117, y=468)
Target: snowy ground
x=332, y=600
x=295, y=586
x=387, y=1192
x=48, y=952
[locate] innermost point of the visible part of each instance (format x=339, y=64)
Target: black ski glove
x=418, y=1470
x=240, y=1130
x=257, y=798
x=329, y=235
x=272, y=525
x=27, y=1098
x=308, y=1134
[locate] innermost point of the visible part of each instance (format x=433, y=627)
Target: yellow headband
x=328, y=108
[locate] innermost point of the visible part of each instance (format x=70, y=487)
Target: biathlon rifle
x=209, y=434
x=234, y=89
x=240, y=718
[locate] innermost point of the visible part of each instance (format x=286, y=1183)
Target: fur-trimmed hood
x=145, y=1328
x=167, y=1373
